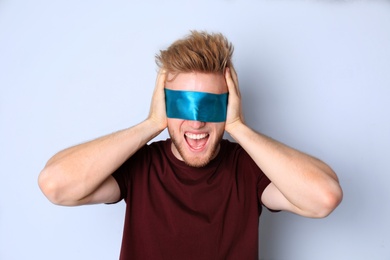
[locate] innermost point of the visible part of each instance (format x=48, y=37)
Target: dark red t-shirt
x=179, y=212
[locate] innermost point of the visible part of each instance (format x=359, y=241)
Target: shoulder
x=229, y=145
x=154, y=147
x=161, y=147
x=233, y=149
x=234, y=153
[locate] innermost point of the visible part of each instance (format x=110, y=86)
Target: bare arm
x=82, y=174
x=300, y=183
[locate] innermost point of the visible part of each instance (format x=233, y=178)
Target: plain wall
x=313, y=74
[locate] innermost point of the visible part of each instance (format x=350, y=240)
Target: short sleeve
x=123, y=175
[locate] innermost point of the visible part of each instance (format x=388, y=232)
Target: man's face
x=194, y=142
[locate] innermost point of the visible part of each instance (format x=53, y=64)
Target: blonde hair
x=197, y=52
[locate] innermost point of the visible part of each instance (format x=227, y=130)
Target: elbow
x=51, y=187
x=48, y=186
x=329, y=201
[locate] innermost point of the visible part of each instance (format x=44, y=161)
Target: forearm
x=76, y=172
x=300, y=183
x=306, y=182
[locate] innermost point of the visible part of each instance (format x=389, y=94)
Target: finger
x=161, y=76
x=232, y=81
x=234, y=76
x=229, y=81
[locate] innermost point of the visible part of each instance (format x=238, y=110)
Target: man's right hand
x=157, y=113
x=82, y=174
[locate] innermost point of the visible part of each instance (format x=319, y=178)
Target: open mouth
x=196, y=141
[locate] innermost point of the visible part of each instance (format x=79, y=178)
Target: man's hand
x=234, y=110
x=316, y=190
x=157, y=113
x=82, y=174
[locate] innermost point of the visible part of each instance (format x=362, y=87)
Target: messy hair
x=198, y=52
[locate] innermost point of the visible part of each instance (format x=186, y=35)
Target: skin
x=82, y=174
x=194, y=142
x=315, y=191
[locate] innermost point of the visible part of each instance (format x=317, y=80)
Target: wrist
x=154, y=126
x=235, y=128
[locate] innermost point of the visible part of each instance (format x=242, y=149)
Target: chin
x=197, y=162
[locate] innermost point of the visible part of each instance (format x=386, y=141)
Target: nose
x=196, y=124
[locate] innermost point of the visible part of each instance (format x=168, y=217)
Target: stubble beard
x=197, y=162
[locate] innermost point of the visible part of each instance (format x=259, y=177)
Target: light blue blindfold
x=198, y=106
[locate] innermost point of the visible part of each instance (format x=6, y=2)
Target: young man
x=193, y=196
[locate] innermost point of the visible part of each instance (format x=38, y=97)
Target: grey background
x=313, y=74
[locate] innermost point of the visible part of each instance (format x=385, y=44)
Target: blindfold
x=197, y=106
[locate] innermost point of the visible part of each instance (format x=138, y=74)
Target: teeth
x=196, y=136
